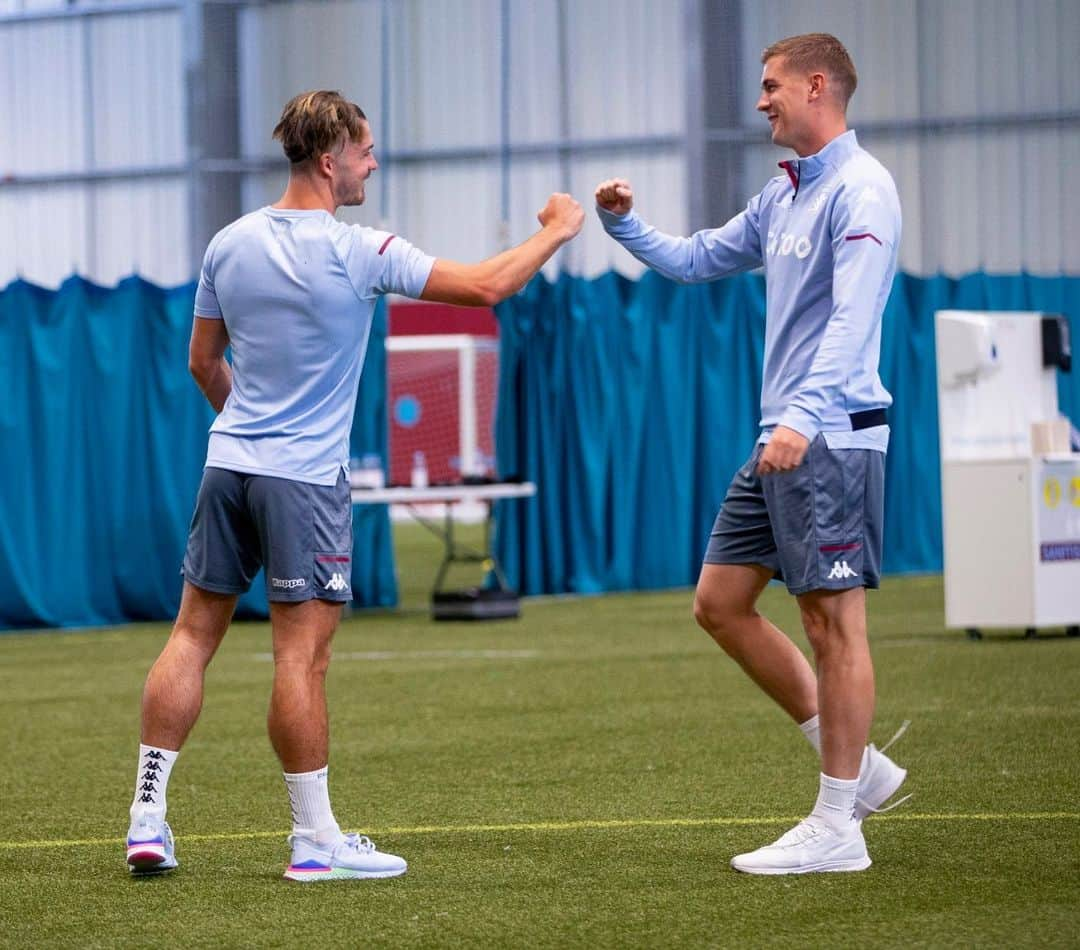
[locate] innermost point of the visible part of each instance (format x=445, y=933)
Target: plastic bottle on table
x=419, y=477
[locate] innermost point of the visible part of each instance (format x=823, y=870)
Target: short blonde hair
x=821, y=52
x=315, y=122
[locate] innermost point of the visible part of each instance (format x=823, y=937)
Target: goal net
x=442, y=406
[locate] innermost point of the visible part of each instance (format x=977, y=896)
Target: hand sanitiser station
x=1010, y=484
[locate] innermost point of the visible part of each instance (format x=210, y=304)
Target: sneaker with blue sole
x=353, y=857
x=150, y=846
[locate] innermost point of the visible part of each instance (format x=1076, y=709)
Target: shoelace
x=361, y=844
x=900, y=801
x=803, y=831
x=885, y=808
x=896, y=735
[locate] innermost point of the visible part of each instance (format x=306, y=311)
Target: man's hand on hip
x=615, y=195
x=784, y=451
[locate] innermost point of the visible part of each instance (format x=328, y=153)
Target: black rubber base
x=475, y=603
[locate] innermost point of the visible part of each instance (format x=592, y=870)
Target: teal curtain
x=374, y=578
x=104, y=438
x=631, y=405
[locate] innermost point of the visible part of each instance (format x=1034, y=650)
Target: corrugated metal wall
x=82, y=99
x=445, y=67
x=974, y=106
x=489, y=105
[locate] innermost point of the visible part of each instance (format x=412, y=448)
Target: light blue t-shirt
x=297, y=290
x=827, y=232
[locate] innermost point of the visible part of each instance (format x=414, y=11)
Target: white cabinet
x=1010, y=516
x=1012, y=542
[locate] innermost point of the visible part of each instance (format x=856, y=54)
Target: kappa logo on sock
x=154, y=754
x=336, y=582
x=840, y=572
x=146, y=798
x=152, y=767
x=148, y=787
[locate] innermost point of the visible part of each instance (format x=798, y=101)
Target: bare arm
x=498, y=277
x=206, y=360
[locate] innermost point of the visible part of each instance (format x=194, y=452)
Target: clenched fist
x=615, y=195
x=562, y=213
x=784, y=451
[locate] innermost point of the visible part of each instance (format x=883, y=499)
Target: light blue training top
x=827, y=232
x=297, y=290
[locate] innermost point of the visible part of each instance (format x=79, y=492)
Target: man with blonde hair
x=292, y=290
x=807, y=506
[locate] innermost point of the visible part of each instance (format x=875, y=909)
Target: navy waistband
x=867, y=419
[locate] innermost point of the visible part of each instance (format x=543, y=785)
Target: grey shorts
x=301, y=534
x=818, y=527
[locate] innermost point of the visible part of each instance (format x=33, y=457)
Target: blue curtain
x=104, y=438
x=631, y=404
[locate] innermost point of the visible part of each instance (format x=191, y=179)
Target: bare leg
x=172, y=696
x=724, y=606
x=835, y=623
x=297, y=721
x=299, y=732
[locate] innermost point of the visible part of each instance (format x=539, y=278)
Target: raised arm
x=706, y=255
x=498, y=277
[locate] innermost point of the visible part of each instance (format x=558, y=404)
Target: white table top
x=406, y=495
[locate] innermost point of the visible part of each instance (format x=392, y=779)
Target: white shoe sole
x=309, y=876
x=857, y=864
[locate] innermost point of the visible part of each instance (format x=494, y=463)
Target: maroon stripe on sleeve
x=850, y=237
x=386, y=243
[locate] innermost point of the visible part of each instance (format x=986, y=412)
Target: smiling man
x=807, y=507
x=293, y=290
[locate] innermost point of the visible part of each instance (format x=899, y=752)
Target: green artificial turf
x=576, y=778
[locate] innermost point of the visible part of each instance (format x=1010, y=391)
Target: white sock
x=836, y=801
x=309, y=796
x=812, y=730
x=151, y=780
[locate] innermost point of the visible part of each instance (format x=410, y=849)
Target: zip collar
x=809, y=168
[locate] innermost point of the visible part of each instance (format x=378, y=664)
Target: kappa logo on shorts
x=336, y=582
x=840, y=572
x=288, y=583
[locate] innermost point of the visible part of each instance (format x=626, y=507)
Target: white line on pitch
x=584, y=825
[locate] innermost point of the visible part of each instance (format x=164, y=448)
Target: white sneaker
x=354, y=856
x=879, y=779
x=810, y=846
x=150, y=847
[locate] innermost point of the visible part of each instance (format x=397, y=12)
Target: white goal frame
x=467, y=347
